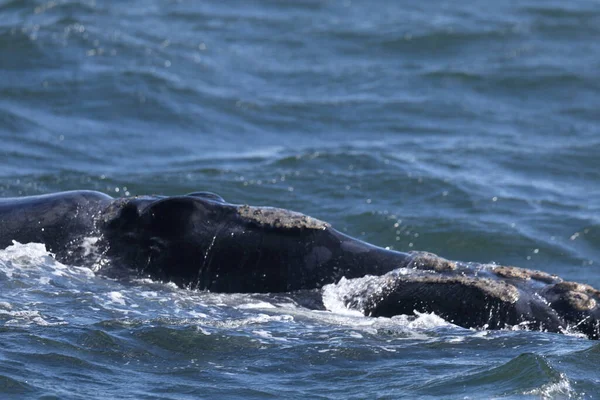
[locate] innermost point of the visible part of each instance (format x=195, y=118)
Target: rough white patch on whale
x=280, y=218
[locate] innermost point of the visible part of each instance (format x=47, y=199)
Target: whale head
x=201, y=241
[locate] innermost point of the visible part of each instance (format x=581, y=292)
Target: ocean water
x=471, y=130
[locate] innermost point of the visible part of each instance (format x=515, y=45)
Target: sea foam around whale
x=69, y=312
x=35, y=281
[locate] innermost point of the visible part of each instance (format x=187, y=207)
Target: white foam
x=32, y=262
x=554, y=390
x=334, y=294
x=198, y=315
x=21, y=257
x=253, y=306
x=26, y=318
x=263, y=334
x=260, y=319
x=388, y=349
x=428, y=321
x=267, y=336
x=117, y=298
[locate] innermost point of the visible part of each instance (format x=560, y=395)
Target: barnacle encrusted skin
x=428, y=261
x=525, y=274
x=280, y=218
x=578, y=296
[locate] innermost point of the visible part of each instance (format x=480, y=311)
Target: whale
x=199, y=241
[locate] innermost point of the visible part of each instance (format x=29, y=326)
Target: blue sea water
x=468, y=129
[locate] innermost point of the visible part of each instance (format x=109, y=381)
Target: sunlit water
x=468, y=130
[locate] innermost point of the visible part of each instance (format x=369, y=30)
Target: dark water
x=469, y=130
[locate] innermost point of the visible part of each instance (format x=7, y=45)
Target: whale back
x=55, y=220
x=201, y=241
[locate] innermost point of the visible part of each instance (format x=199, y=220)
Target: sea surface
x=467, y=129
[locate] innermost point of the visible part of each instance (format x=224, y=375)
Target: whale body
x=200, y=241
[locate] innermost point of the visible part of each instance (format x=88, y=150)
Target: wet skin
x=199, y=241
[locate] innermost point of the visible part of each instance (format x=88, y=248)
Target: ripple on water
x=10, y=386
x=526, y=374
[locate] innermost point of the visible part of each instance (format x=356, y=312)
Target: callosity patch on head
x=577, y=296
x=280, y=218
x=525, y=274
x=428, y=261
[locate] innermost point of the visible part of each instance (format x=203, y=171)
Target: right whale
x=200, y=241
